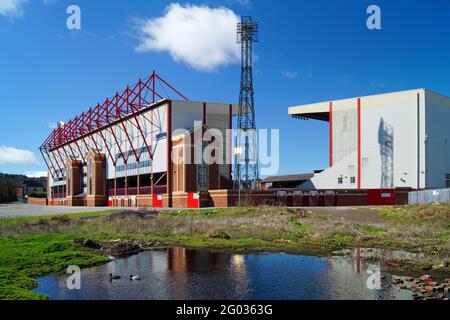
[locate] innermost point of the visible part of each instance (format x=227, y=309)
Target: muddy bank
x=119, y=248
x=424, y=287
x=401, y=260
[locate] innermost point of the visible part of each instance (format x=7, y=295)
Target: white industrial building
x=385, y=141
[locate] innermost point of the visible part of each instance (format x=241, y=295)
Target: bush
x=8, y=185
x=39, y=195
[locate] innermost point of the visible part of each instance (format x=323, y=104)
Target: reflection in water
x=178, y=273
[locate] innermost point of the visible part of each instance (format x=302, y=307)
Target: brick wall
x=37, y=201
x=179, y=199
x=144, y=201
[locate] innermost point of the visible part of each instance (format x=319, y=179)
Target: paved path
x=362, y=214
x=25, y=210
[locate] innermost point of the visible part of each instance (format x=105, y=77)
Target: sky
x=308, y=51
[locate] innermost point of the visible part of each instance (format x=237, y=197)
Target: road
x=25, y=210
x=362, y=214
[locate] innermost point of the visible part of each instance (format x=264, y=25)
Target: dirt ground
x=355, y=214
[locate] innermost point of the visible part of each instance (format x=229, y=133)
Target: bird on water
x=113, y=277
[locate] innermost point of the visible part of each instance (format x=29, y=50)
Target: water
x=178, y=273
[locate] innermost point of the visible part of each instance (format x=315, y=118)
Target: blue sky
x=308, y=51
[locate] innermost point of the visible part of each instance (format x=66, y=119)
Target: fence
x=429, y=196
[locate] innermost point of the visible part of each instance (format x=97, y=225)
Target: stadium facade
x=140, y=148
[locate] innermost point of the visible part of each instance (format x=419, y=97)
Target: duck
x=132, y=277
x=113, y=277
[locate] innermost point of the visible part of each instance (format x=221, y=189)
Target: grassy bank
x=30, y=247
x=23, y=258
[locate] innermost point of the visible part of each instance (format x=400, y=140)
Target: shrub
x=39, y=195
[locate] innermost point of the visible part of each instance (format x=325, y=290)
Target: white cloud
x=202, y=37
x=12, y=8
x=35, y=174
x=291, y=74
x=16, y=156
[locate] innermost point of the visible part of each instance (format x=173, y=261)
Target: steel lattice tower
x=246, y=161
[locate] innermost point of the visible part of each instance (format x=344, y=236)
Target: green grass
x=445, y=235
x=24, y=258
x=371, y=230
x=241, y=211
x=437, y=214
x=337, y=241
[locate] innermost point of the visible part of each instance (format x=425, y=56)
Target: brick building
x=133, y=150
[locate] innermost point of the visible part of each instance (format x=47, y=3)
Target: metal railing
x=429, y=196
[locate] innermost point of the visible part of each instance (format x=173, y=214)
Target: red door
x=193, y=200
x=381, y=197
x=388, y=197
x=157, y=201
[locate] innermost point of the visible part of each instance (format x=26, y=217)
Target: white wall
x=437, y=116
x=389, y=120
x=328, y=179
x=391, y=117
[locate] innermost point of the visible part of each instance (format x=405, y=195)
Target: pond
x=179, y=273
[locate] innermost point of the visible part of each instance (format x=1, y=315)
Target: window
x=340, y=180
x=161, y=136
x=90, y=176
x=68, y=181
x=202, y=173
x=353, y=180
x=447, y=180
x=146, y=163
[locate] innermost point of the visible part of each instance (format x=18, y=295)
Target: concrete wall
x=437, y=117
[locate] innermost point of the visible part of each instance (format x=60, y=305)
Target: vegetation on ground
x=24, y=258
x=31, y=247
